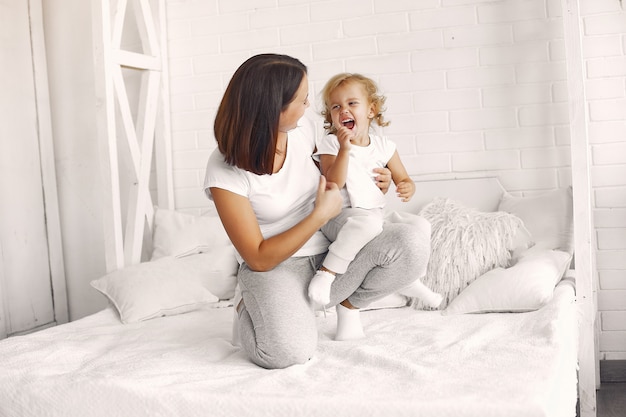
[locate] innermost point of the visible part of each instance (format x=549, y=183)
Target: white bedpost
x=148, y=130
x=588, y=374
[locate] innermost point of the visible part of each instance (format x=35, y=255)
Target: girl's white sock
x=349, y=325
x=319, y=287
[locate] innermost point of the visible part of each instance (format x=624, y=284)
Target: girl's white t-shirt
x=361, y=189
x=281, y=200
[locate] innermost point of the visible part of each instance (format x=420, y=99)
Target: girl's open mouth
x=349, y=123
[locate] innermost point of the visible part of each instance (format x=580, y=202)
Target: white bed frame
x=152, y=133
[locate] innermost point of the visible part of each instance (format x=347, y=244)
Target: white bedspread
x=411, y=364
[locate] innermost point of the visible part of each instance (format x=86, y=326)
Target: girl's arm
x=405, y=187
x=335, y=167
x=244, y=232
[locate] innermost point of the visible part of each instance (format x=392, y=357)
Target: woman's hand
x=383, y=179
x=328, y=201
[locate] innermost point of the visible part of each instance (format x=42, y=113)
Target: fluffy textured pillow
x=548, y=217
x=466, y=243
x=526, y=286
x=180, y=234
x=164, y=287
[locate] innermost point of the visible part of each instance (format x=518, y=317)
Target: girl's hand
x=328, y=201
x=344, y=136
x=383, y=179
x=405, y=190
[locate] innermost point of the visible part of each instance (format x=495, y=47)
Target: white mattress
x=412, y=363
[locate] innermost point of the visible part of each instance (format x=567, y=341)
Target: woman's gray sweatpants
x=277, y=324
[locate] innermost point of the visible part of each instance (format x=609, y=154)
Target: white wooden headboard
x=480, y=193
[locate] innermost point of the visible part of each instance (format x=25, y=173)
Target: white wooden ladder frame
x=150, y=134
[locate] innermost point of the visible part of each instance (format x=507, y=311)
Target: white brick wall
x=475, y=87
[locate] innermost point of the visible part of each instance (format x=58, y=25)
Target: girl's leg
x=277, y=326
x=349, y=231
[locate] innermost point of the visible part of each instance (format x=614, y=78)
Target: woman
x=273, y=201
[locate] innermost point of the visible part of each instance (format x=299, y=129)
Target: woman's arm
x=244, y=232
x=405, y=187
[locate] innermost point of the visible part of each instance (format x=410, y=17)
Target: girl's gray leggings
x=277, y=324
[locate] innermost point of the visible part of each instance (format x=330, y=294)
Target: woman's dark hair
x=246, y=124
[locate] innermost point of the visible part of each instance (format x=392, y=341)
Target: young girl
x=348, y=155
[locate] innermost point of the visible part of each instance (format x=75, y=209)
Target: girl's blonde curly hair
x=371, y=91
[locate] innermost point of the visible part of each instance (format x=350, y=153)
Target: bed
x=516, y=341
x=503, y=345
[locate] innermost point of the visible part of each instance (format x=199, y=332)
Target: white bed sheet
x=412, y=363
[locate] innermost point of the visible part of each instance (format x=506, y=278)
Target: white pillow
x=180, y=234
x=548, y=217
x=526, y=286
x=466, y=243
x=217, y=270
x=164, y=287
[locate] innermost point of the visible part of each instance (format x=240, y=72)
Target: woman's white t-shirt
x=281, y=200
